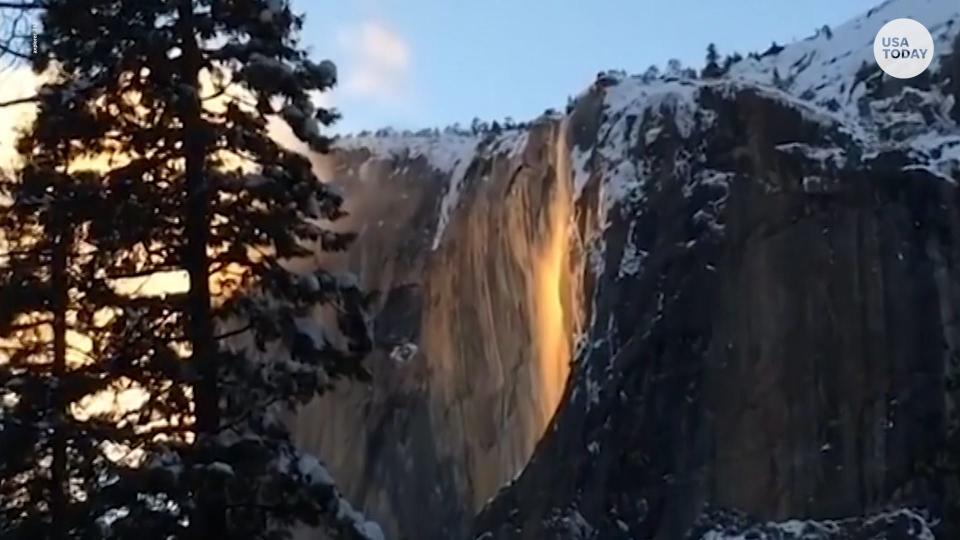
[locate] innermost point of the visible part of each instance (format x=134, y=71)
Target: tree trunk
x=58, y=467
x=208, y=520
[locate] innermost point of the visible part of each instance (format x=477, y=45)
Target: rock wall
x=476, y=318
x=769, y=333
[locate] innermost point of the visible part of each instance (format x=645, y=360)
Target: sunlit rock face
x=694, y=308
x=472, y=246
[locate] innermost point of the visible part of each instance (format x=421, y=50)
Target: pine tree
x=712, y=67
x=478, y=126
x=774, y=50
x=177, y=95
x=674, y=68
x=51, y=459
x=729, y=61
x=651, y=74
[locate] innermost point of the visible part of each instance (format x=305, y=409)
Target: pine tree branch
x=7, y=254
x=233, y=333
x=255, y=506
x=16, y=54
x=19, y=101
x=20, y=5
x=26, y=326
x=243, y=418
x=145, y=273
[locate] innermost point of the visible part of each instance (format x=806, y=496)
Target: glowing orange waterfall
x=554, y=327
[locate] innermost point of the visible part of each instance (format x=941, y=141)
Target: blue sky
x=426, y=63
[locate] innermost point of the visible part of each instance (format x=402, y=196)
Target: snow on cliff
x=823, y=69
x=835, y=70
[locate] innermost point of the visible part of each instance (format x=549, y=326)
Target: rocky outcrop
x=741, y=296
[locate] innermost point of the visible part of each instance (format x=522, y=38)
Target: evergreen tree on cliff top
x=168, y=101
x=712, y=67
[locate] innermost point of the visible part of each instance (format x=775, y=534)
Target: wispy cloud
x=377, y=62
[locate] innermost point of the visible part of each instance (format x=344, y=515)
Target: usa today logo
x=903, y=48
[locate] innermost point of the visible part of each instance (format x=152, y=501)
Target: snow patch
x=511, y=143
x=221, y=468
x=580, y=163
x=444, y=153
x=314, y=471
x=367, y=529
x=449, y=154
x=632, y=260
x=402, y=353
x=734, y=526
x=451, y=199
x=825, y=157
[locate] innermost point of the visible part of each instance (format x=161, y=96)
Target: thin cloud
x=377, y=62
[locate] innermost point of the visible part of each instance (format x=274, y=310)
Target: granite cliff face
x=739, y=294
x=477, y=313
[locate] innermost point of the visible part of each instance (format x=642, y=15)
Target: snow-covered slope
x=833, y=68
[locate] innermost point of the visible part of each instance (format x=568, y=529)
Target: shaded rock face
x=778, y=348
x=689, y=308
